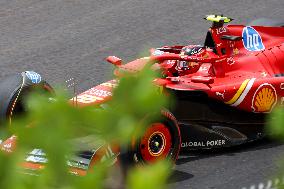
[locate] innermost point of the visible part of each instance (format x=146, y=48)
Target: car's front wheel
x=15, y=88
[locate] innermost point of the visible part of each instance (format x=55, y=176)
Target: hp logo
x=252, y=40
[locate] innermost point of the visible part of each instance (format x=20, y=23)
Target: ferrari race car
x=223, y=89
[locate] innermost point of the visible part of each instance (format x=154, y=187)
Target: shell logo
x=264, y=98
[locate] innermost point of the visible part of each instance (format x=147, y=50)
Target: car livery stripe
x=239, y=92
x=244, y=94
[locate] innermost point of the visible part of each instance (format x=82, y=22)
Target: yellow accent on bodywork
x=216, y=18
x=239, y=92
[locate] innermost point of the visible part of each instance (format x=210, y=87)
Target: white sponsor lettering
x=99, y=92
x=171, y=62
x=215, y=143
x=208, y=143
x=221, y=30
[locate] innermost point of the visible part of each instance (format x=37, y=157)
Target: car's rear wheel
x=160, y=141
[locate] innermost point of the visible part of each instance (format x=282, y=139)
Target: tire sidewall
x=130, y=155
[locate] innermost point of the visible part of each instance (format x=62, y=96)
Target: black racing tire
x=266, y=22
x=165, y=133
x=13, y=90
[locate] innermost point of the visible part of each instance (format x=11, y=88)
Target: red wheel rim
x=156, y=143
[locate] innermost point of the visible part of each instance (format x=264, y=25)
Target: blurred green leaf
x=149, y=176
x=275, y=126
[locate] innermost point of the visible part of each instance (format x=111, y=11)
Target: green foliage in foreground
x=276, y=123
x=276, y=130
x=54, y=126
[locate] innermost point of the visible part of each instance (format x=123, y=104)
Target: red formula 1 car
x=223, y=89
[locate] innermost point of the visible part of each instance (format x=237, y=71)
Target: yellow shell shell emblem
x=264, y=98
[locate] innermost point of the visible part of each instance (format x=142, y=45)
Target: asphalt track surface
x=70, y=38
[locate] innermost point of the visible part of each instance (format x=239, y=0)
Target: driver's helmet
x=185, y=67
x=190, y=50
